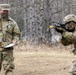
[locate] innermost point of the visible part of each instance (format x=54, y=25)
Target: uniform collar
x=5, y=19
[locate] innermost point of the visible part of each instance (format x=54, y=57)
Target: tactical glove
x=59, y=29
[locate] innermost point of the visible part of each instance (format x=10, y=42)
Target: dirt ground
x=42, y=60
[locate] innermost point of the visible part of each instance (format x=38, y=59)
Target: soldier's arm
x=16, y=33
x=67, y=38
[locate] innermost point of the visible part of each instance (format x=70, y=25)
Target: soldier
x=9, y=33
x=69, y=37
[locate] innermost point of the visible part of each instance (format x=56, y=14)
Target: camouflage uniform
x=70, y=38
x=8, y=31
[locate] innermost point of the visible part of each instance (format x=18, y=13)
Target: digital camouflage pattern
x=9, y=31
x=70, y=17
x=67, y=39
x=6, y=59
x=4, y=6
x=70, y=38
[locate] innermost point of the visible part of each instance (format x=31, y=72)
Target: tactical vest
x=6, y=32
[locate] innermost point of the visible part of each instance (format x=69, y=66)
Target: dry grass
x=42, y=60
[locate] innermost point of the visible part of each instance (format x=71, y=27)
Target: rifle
x=60, y=27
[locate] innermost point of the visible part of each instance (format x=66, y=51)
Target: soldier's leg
x=0, y=60
x=73, y=68
x=9, y=73
x=8, y=64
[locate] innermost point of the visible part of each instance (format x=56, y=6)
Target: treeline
x=35, y=16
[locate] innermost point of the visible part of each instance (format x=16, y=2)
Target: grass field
x=42, y=60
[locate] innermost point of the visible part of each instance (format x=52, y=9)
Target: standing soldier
x=9, y=33
x=69, y=37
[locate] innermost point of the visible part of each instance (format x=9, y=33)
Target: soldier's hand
x=60, y=29
x=14, y=42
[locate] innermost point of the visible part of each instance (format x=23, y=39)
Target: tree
x=35, y=16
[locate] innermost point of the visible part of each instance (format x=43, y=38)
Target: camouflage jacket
x=8, y=31
x=69, y=38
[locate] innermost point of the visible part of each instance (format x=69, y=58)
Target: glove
x=60, y=29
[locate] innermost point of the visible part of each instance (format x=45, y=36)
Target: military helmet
x=68, y=18
x=5, y=7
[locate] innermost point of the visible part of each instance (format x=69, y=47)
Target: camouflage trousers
x=73, y=68
x=6, y=60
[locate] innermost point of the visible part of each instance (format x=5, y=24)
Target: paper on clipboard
x=10, y=45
